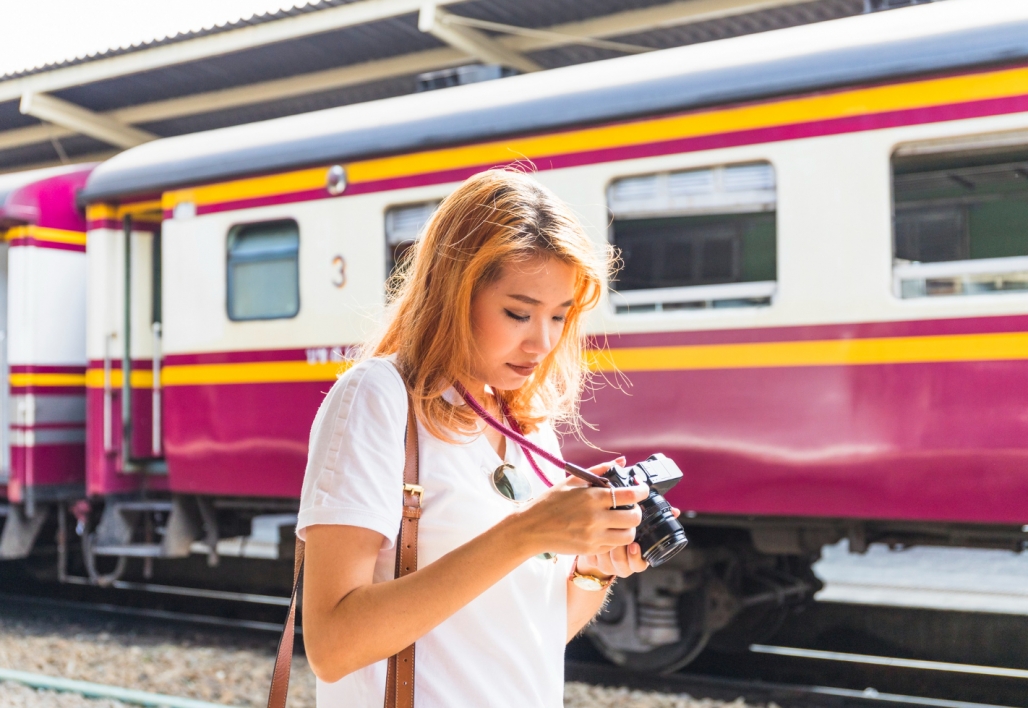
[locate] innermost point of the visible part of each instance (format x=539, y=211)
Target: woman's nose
x=541, y=340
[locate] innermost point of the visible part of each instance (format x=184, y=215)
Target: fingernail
x=634, y=549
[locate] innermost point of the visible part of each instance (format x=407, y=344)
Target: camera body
x=659, y=535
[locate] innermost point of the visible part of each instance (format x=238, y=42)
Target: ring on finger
x=613, y=498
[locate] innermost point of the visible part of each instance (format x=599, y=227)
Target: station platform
x=933, y=578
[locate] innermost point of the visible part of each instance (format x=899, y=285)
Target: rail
x=979, y=276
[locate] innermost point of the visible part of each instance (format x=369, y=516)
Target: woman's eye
x=559, y=318
x=515, y=316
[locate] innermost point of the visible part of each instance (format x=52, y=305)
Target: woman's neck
x=477, y=389
x=484, y=394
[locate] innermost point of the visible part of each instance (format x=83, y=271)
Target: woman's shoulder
x=372, y=383
x=377, y=372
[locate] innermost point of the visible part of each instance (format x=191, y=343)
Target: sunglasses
x=511, y=483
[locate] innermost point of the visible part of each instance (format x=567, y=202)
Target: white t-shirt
x=503, y=649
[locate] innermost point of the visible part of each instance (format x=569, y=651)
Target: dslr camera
x=659, y=534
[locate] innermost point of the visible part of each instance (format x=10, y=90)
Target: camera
x=659, y=534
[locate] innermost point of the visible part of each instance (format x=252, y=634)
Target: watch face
x=587, y=583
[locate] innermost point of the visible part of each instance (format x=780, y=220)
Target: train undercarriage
x=734, y=585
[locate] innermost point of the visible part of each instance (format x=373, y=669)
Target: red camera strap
x=527, y=446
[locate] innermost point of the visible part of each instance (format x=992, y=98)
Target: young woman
x=491, y=301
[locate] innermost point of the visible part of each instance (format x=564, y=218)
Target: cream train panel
x=834, y=247
x=195, y=312
x=105, y=254
x=46, y=308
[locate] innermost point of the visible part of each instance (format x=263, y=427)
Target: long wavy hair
x=495, y=219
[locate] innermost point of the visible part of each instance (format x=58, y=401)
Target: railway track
x=787, y=676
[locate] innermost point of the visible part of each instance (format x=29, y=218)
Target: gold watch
x=589, y=582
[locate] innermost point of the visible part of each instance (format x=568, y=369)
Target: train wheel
x=754, y=625
x=653, y=622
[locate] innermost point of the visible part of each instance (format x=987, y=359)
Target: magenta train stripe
x=250, y=356
x=856, y=330
x=49, y=390
x=52, y=245
x=38, y=369
x=800, y=333
x=795, y=131
x=137, y=364
x=114, y=224
x=51, y=426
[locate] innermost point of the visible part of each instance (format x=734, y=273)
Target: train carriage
x=42, y=350
x=822, y=315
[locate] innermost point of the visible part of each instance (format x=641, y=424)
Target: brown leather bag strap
x=284, y=657
x=400, y=672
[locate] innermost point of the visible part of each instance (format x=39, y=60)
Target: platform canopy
x=337, y=52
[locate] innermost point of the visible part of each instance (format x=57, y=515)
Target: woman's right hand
x=572, y=518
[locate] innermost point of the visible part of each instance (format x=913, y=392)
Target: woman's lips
x=523, y=370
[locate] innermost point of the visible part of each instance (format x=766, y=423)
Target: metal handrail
x=108, y=397
x=155, y=433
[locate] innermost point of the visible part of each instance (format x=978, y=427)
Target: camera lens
x=659, y=534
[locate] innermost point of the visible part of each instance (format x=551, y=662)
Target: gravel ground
x=228, y=668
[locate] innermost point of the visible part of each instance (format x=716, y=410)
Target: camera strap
x=527, y=446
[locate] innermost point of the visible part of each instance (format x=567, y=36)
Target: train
x=821, y=315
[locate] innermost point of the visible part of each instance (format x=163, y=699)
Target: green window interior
x=263, y=271
x=964, y=208
x=681, y=251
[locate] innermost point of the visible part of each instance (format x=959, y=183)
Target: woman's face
x=517, y=320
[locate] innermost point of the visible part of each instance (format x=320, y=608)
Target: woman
x=490, y=304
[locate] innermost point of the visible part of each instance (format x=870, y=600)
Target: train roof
x=937, y=37
x=18, y=207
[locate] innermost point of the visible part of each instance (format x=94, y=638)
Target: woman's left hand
x=621, y=561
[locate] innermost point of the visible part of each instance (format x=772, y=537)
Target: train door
x=139, y=348
x=5, y=395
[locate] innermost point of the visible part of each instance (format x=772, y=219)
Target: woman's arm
x=350, y=622
x=584, y=605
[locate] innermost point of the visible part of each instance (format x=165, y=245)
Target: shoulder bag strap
x=400, y=673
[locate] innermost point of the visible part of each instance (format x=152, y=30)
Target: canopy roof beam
x=75, y=118
x=471, y=41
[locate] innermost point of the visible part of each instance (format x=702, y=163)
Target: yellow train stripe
x=285, y=183
x=141, y=378
x=38, y=379
x=42, y=233
x=833, y=352
x=878, y=99
x=1010, y=346
x=208, y=374
x=251, y=372
x=144, y=211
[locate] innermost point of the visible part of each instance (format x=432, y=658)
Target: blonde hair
x=496, y=218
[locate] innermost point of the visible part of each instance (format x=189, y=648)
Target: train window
x=403, y=225
x=695, y=239
x=960, y=224
x=263, y=271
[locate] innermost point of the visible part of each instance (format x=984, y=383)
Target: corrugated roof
x=181, y=37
